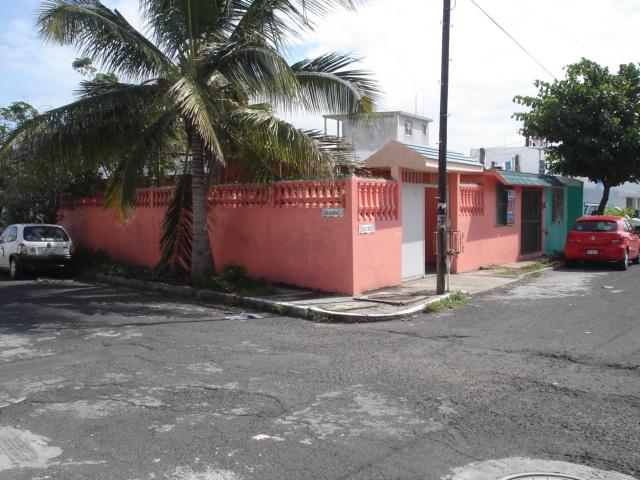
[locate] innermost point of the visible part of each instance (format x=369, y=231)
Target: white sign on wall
x=333, y=212
x=367, y=228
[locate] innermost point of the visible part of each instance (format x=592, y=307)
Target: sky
x=399, y=42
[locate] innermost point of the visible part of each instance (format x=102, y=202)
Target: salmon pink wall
x=485, y=242
x=134, y=241
x=279, y=233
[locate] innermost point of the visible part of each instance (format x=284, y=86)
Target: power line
x=566, y=34
x=529, y=54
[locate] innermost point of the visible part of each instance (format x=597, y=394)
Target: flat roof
x=394, y=112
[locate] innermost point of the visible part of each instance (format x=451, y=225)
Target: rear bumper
x=51, y=262
x=606, y=253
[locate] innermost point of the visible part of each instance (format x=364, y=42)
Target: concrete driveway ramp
x=520, y=468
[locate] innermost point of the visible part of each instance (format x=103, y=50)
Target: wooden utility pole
x=442, y=152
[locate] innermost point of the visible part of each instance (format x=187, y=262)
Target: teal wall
x=575, y=197
x=557, y=233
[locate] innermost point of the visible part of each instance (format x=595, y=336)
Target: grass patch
x=234, y=279
x=85, y=260
x=455, y=300
x=322, y=319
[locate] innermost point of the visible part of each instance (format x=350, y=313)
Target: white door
x=413, y=243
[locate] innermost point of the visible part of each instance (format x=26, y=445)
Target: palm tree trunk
x=605, y=197
x=201, y=256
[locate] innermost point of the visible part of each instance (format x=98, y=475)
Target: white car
x=34, y=247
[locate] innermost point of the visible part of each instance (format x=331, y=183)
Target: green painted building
x=561, y=202
x=564, y=207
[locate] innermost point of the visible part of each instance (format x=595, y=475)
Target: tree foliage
x=205, y=81
x=591, y=119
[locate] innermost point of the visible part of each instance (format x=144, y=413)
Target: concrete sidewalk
x=396, y=302
x=391, y=303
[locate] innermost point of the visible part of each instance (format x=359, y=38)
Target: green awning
x=528, y=179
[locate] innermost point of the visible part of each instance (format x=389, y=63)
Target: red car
x=603, y=238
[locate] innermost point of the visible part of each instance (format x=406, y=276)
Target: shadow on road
x=65, y=304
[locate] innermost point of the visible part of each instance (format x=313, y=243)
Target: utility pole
x=442, y=151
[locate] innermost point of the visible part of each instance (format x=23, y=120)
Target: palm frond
x=281, y=145
x=103, y=35
x=182, y=28
x=259, y=71
x=96, y=127
x=121, y=188
x=330, y=86
x=194, y=104
x=176, y=240
x=276, y=20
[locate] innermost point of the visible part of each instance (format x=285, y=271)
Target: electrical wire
x=529, y=54
x=566, y=34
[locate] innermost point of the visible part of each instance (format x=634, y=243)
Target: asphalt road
x=105, y=383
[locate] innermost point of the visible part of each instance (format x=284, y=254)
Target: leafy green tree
x=207, y=79
x=11, y=207
x=592, y=120
x=84, y=66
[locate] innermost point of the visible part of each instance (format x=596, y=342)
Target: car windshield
x=596, y=226
x=45, y=233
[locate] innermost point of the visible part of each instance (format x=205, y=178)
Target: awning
x=527, y=179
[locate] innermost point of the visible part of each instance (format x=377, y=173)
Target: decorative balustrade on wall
x=426, y=178
x=471, y=200
x=377, y=201
x=308, y=194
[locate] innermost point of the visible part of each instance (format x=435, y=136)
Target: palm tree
x=206, y=79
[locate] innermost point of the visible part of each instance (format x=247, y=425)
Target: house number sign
x=333, y=212
x=367, y=228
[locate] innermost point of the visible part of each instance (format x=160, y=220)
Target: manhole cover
x=531, y=469
x=540, y=476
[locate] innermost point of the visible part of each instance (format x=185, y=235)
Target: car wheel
x=636, y=260
x=14, y=270
x=569, y=263
x=624, y=263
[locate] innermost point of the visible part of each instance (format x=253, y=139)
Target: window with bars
x=502, y=201
x=557, y=206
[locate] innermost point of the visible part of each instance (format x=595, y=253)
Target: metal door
x=531, y=230
x=413, y=241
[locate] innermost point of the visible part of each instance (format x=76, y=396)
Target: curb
x=281, y=308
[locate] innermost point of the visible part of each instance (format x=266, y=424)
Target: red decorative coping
x=471, y=200
x=377, y=200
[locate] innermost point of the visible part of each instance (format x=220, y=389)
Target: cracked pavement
x=106, y=383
